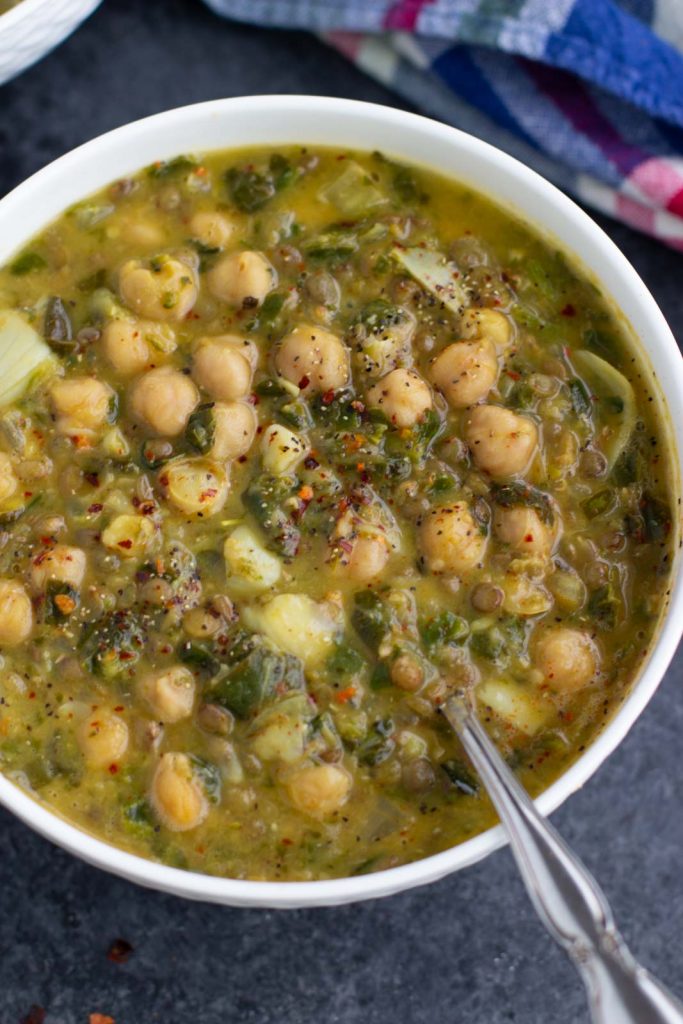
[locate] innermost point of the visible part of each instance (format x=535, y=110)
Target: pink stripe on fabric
x=635, y=214
x=569, y=96
x=658, y=179
x=402, y=16
x=675, y=204
x=348, y=43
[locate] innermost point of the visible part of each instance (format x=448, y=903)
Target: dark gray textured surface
x=466, y=950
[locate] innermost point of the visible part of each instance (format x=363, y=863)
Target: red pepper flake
x=209, y=493
x=253, y=399
x=529, y=538
x=568, y=310
x=345, y=695
x=100, y=1018
x=95, y=508
x=92, y=478
x=304, y=382
x=113, y=769
x=126, y=544
x=35, y=1015
x=119, y=707
x=287, y=842
x=242, y=458
x=346, y=545
x=163, y=480
x=305, y=493
x=32, y=695
x=126, y=655
x=513, y=375
x=328, y=397
x=120, y=951
x=28, y=494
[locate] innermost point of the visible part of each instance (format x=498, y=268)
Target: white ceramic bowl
x=277, y=120
x=34, y=27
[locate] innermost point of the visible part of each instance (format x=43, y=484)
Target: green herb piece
x=249, y=190
x=370, y=618
x=172, y=168
x=209, y=776
x=112, y=645
x=331, y=248
x=269, y=388
x=580, y=397
x=264, y=498
x=460, y=776
x=93, y=281
x=296, y=414
x=379, y=744
x=199, y=657
x=602, y=606
x=599, y=504
x=26, y=263
x=522, y=396
x=57, y=329
x=271, y=308
x=627, y=468
x=501, y=641
x=519, y=493
x=61, y=601
x=345, y=660
x=381, y=676
x=257, y=678
x=656, y=518
x=138, y=818
x=601, y=342
x=444, y=628
x=201, y=428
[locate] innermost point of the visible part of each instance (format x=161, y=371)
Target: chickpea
x=403, y=396
x=195, y=486
x=367, y=560
x=319, y=789
x=131, y=345
x=125, y=347
x=61, y=563
x=224, y=365
x=162, y=288
x=16, y=613
x=129, y=536
x=234, y=429
x=450, y=540
x=81, y=404
x=568, y=658
x=465, y=372
x=102, y=737
x=242, y=279
x=176, y=794
x=502, y=442
x=523, y=530
x=170, y=693
x=487, y=323
x=8, y=480
x=312, y=357
x=163, y=400
x=211, y=228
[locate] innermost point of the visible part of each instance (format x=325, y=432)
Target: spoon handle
x=566, y=896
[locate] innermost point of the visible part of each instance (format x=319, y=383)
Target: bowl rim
x=26, y=8
x=278, y=894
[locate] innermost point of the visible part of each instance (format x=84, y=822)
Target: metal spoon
x=567, y=898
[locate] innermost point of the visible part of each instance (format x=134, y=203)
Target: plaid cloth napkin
x=588, y=92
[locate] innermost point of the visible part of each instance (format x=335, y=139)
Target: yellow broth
x=228, y=654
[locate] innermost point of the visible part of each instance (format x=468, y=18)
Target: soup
x=292, y=445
